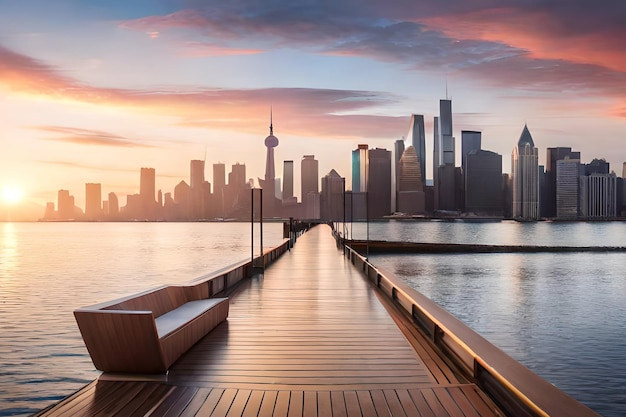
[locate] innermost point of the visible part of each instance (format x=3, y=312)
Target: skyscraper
x=398, y=150
x=287, y=180
x=237, y=176
x=599, y=196
x=147, y=190
x=360, y=161
x=331, y=197
x=219, y=183
x=483, y=183
x=65, y=205
x=410, y=184
x=93, y=201
x=219, y=178
x=379, y=183
x=567, y=188
x=309, y=175
x=446, y=140
x=196, y=174
x=470, y=141
x=417, y=137
x=114, y=206
x=196, y=208
x=525, y=178
x=548, y=205
x=597, y=166
x=445, y=188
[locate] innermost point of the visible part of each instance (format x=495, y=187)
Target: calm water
x=562, y=315
x=49, y=269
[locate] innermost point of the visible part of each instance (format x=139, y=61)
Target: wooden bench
x=146, y=333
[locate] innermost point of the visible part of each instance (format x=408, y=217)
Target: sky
x=91, y=91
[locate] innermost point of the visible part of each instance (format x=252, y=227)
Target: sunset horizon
x=91, y=94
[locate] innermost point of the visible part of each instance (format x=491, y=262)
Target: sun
x=11, y=195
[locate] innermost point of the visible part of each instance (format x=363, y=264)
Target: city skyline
x=88, y=94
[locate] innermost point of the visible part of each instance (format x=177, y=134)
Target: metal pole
x=343, y=225
x=261, y=226
x=367, y=213
x=367, y=222
x=252, y=226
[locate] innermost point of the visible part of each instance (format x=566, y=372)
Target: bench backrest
x=159, y=301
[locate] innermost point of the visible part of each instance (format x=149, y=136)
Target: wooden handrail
x=515, y=388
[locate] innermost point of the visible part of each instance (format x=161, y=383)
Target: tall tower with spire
x=269, y=182
x=525, y=178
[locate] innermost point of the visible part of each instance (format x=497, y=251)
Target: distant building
x=360, y=161
x=379, y=183
x=597, y=166
x=470, y=141
x=398, y=150
x=114, y=206
x=237, y=176
x=332, y=196
x=219, y=185
x=93, y=201
x=411, y=197
x=196, y=174
x=309, y=186
x=287, y=180
x=435, y=187
x=182, y=200
x=483, y=183
x=548, y=204
x=311, y=204
x=599, y=196
x=65, y=205
x=50, y=213
x=445, y=185
x=417, y=137
x=309, y=175
x=525, y=178
x=147, y=190
x=237, y=192
x=196, y=190
x=567, y=188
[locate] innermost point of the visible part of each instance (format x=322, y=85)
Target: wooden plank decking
x=308, y=338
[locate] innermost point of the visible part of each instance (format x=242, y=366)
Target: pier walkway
x=309, y=337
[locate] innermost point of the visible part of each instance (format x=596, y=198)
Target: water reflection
x=495, y=233
x=562, y=315
x=49, y=269
x=9, y=260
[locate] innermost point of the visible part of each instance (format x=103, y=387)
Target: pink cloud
x=88, y=136
x=315, y=110
x=204, y=49
x=536, y=31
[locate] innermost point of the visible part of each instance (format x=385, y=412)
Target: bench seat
x=169, y=322
x=147, y=333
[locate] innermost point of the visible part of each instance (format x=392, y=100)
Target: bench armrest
x=121, y=340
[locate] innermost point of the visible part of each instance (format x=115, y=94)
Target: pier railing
x=227, y=277
x=515, y=388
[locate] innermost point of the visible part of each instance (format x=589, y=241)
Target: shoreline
x=383, y=246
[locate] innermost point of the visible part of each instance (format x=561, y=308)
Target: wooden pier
x=309, y=337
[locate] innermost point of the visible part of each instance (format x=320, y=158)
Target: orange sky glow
x=157, y=85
